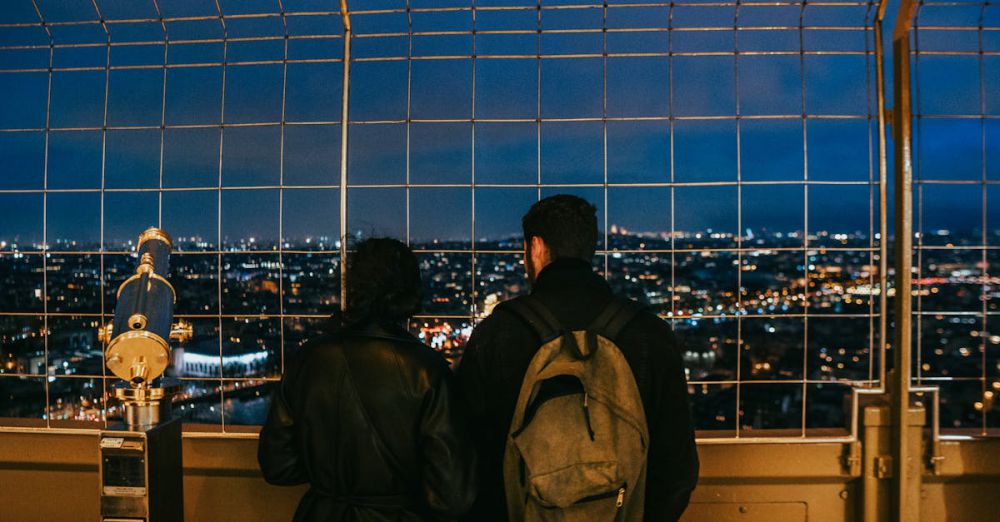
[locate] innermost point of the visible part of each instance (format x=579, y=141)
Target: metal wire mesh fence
x=956, y=140
x=730, y=148
x=214, y=125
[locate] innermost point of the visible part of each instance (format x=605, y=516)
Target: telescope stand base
x=140, y=469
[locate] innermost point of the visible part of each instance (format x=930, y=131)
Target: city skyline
x=694, y=292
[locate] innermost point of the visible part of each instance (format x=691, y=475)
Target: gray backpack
x=578, y=440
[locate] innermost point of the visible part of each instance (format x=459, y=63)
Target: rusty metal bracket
x=852, y=459
x=883, y=467
x=345, y=15
x=935, y=462
x=934, y=456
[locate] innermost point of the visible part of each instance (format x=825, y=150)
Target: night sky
x=504, y=161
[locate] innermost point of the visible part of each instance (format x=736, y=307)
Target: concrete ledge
x=49, y=475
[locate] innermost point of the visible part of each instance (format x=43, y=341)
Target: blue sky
x=506, y=89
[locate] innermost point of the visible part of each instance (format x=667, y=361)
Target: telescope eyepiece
x=137, y=321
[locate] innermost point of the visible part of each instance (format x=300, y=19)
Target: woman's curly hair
x=383, y=281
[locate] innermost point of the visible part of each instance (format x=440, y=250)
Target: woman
x=367, y=415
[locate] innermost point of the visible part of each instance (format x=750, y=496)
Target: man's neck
x=562, y=265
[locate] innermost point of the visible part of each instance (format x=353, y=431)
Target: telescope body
x=138, y=351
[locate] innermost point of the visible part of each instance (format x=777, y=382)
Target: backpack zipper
x=586, y=416
x=619, y=494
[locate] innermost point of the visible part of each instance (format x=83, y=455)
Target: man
x=368, y=416
x=560, y=237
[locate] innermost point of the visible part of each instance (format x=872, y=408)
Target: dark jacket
x=367, y=416
x=501, y=348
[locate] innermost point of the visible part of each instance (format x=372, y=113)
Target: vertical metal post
x=906, y=462
x=883, y=193
x=343, y=152
x=218, y=203
x=104, y=168
x=45, y=212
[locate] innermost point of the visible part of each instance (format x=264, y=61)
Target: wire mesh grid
x=721, y=194
x=956, y=136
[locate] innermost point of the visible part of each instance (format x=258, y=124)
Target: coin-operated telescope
x=140, y=467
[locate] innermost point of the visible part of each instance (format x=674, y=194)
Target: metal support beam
x=883, y=192
x=906, y=462
x=344, y=118
x=874, y=505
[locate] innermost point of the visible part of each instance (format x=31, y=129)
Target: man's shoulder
x=647, y=318
x=505, y=315
x=501, y=331
x=505, y=319
x=648, y=329
x=640, y=315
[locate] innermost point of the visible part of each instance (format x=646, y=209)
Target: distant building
x=202, y=359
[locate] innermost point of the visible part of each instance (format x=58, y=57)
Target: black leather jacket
x=367, y=416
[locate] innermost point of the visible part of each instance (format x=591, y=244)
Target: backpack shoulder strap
x=610, y=323
x=615, y=317
x=530, y=310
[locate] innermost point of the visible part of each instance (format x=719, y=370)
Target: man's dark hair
x=567, y=224
x=383, y=281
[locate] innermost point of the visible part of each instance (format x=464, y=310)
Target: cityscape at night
x=779, y=322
